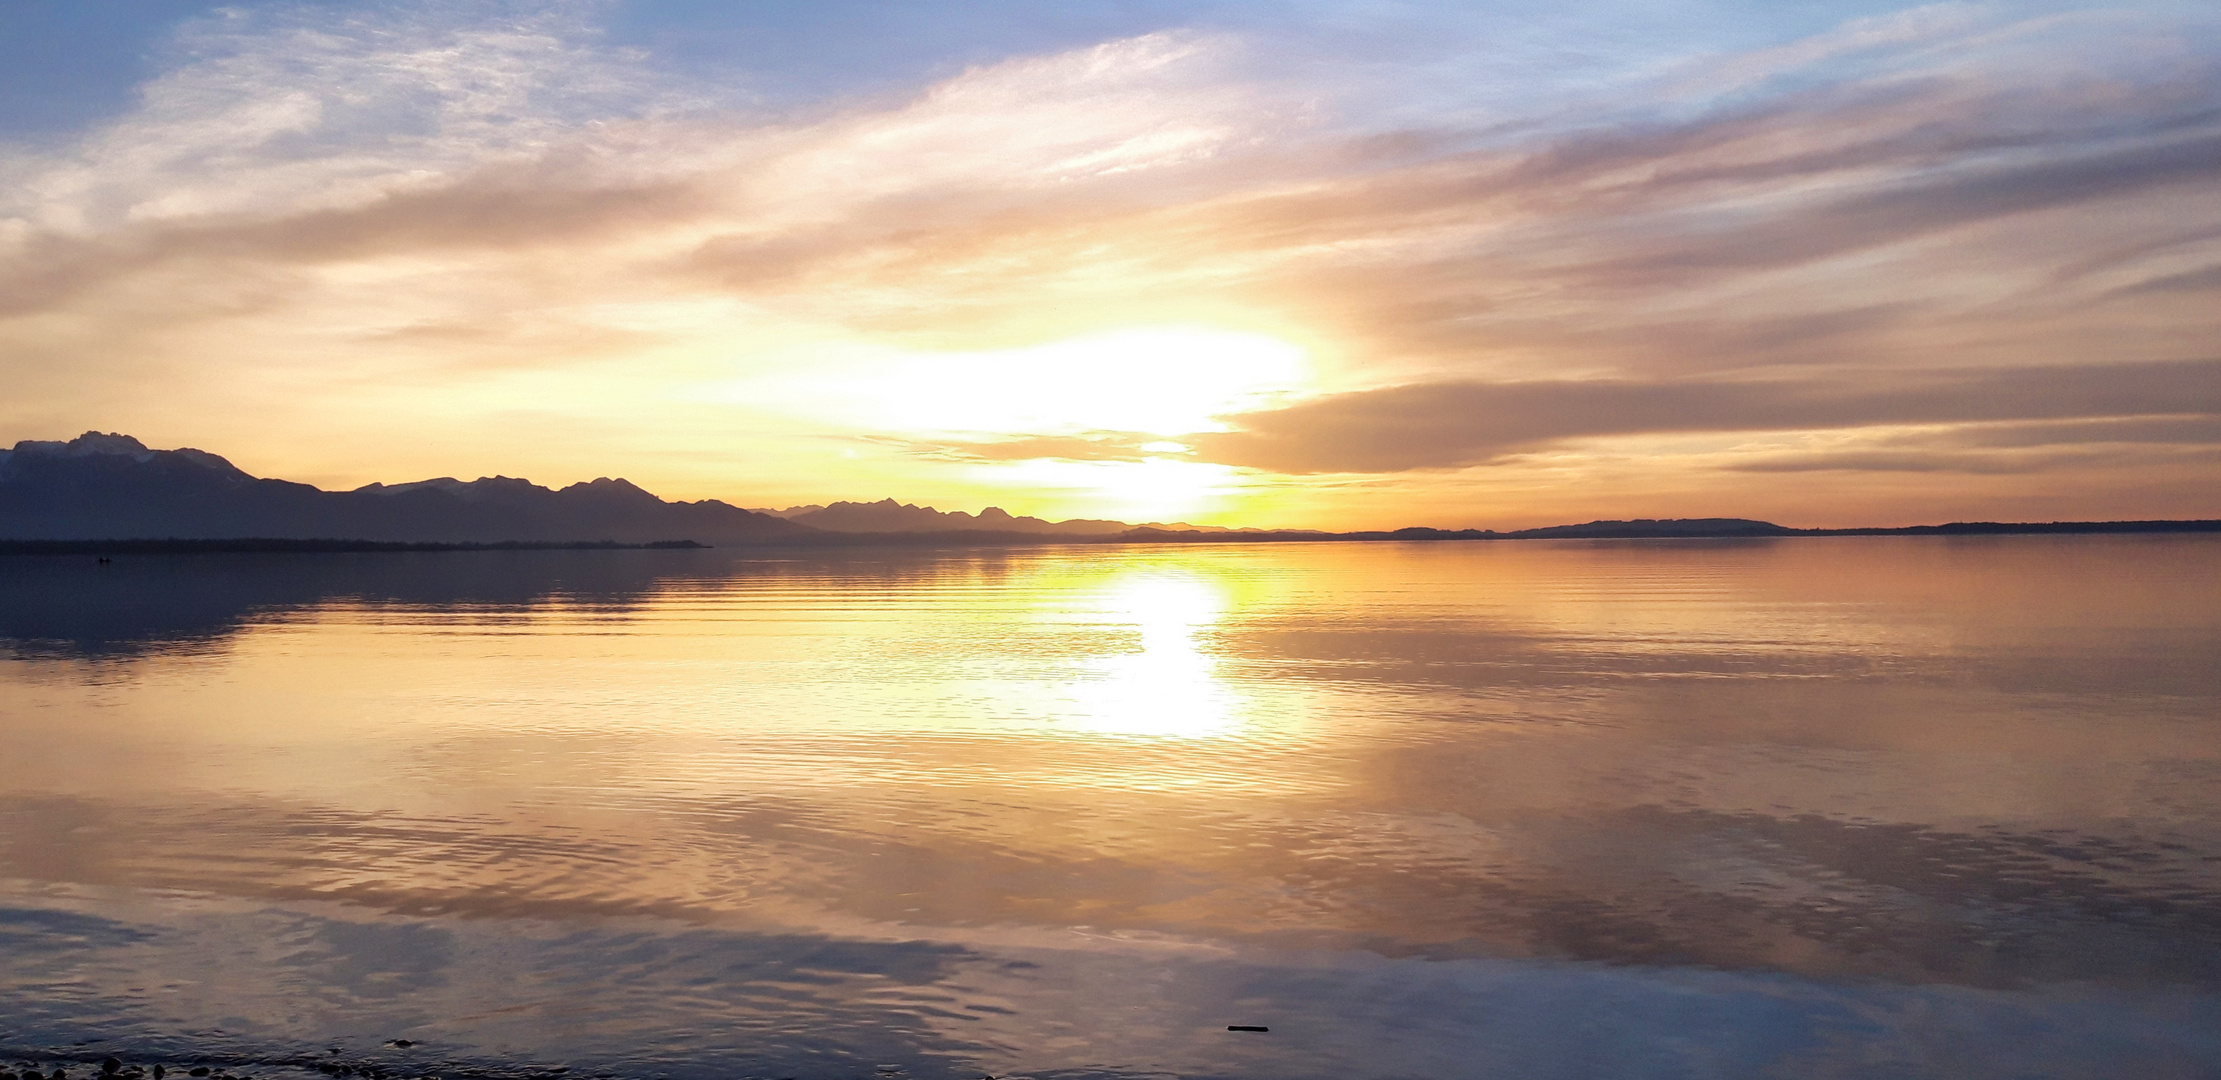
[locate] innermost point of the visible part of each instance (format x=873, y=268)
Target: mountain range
x=105, y=486
x=111, y=488
x=114, y=487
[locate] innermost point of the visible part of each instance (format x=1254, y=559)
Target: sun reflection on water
x=1169, y=684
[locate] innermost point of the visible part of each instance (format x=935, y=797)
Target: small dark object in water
x=158, y=1072
x=1246, y=1027
x=403, y=1043
x=198, y=1070
x=109, y=1065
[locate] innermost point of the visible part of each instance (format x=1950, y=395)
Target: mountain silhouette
x=109, y=486
x=102, y=487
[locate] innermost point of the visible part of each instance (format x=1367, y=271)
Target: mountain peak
x=603, y=487
x=88, y=444
x=112, y=444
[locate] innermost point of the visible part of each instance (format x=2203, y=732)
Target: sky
x=1300, y=264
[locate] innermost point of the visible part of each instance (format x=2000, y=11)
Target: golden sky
x=1328, y=266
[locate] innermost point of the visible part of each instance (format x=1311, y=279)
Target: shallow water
x=1808, y=807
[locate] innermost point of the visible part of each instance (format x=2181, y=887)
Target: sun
x=1163, y=381
x=1108, y=412
x=1162, y=490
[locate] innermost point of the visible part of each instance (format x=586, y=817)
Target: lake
x=1809, y=807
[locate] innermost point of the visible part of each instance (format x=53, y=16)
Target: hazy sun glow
x=1156, y=489
x=1154, y=380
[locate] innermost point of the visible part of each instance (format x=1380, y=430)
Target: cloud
x=2204, y=282
x=1451, y=425
x=281, y=111
x=1124, y=172
x=448, y=160
x=1970, y=463
x=497, y=209
x=1999, y=449
x=1861, y=219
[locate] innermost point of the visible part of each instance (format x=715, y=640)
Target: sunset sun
x=1157, y=381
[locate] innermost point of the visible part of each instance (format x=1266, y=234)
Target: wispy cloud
x=1445, y=425
x=278, y=112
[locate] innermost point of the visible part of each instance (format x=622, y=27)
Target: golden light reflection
x=1168, y=685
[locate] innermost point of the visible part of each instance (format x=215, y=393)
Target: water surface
x=1804, y=807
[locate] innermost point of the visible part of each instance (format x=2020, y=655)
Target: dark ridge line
x=279, y=545
x=1728, y=529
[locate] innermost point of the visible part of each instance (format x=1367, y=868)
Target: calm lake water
x=1802, y=808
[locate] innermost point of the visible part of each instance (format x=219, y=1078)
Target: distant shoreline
x=1688, y=529
x=276, y=545
x=1680, y=529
